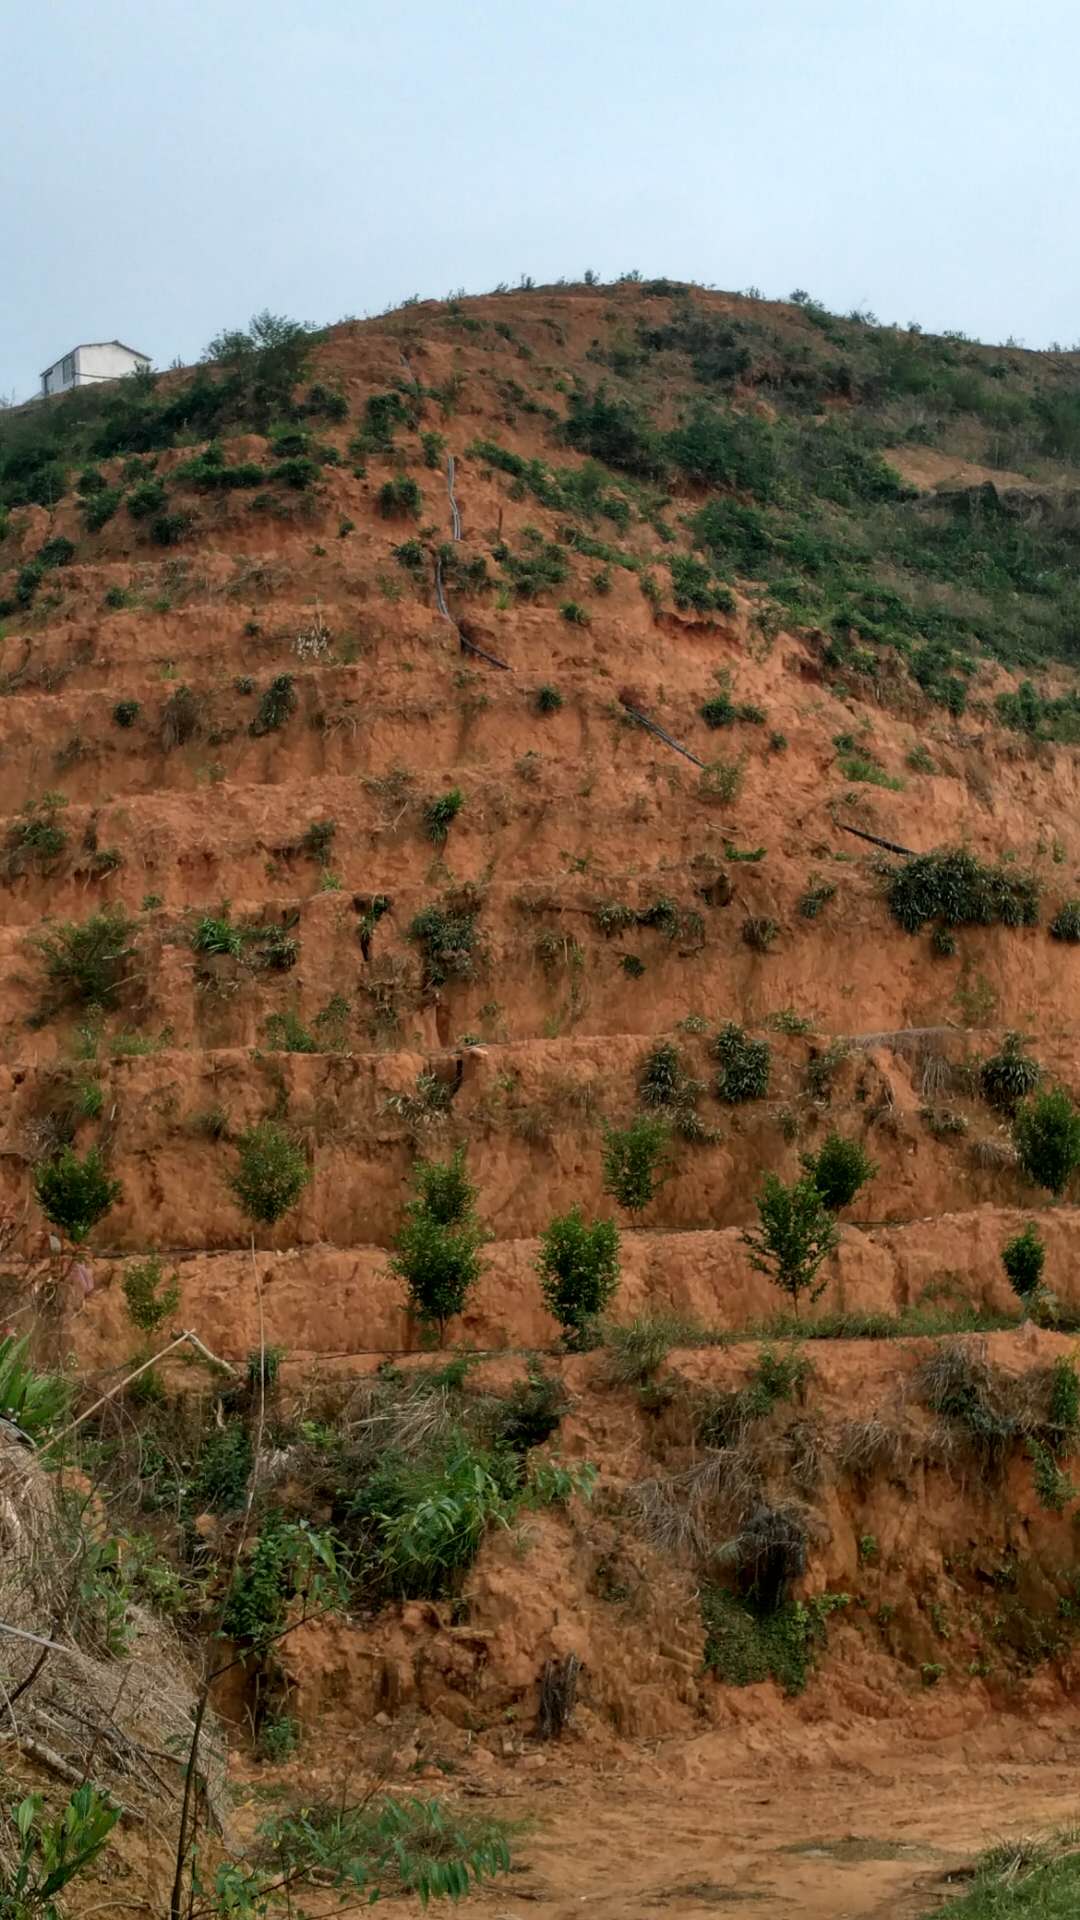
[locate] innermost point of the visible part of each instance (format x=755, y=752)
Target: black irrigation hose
x=644, y=721
x=467, y=646
x=890, y=846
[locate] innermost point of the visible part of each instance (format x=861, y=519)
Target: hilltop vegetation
x=763, y=431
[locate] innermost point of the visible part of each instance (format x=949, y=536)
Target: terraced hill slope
x=465, y=728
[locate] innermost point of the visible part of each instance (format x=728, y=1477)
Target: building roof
x=139, y=355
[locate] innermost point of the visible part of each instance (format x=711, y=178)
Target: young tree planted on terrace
x=634, y=1159
x=578, y=1266
x=271, y=1175
x=75, y=1194
x=150, y=1297
x=797, y=1233
x=1023, y=1259
x=838, y=1170
x=1046, y=1134
x=439, y=1242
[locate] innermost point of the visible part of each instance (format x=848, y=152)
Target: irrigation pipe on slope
x=455, y=517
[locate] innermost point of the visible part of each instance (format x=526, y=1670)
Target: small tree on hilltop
x=439, y=1242
x=838, y=1170
x=634, y=1160
x=1023, y=1259
x=75, y=1194
x=271, y=1175
x=1046, y=1133
x=797, y=1233
x=579, y=1272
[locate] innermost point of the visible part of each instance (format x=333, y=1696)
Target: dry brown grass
x=122, y=1721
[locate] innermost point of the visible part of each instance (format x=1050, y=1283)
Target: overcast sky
x=167, y=167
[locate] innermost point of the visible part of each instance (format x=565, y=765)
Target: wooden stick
x=194, y=1340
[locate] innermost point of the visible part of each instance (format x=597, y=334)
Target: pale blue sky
x=168, y=166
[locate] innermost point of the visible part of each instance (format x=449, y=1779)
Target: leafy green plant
x=399, y=497
x=440, y=813
x=215, y=934
x=817, y=895
x=1008, y=1077
x=431, y=1513
x=381, y=1847
x=37, y=837
x=665, y=1086
x=759, y=932
x=1065, y=924
x=447, y=939
x=548, y=699
x=796, y=1234
x=1052, y=1485
x=125, y=713
x=1023, y=1258
x=292, y=1564
x=722, y=780
x=272, y=1172
x=278, y=1739
x=168, y=529
x=743, y=1648
x=262, y=1369
x=317, y=839
x=838, y=1170
x=1046, y=1134
x=88, y=961
x=444, y=1190
x=75, y=1194
x=286, y=1033
x=150, y=1298
x=578, y=1266
x=961, y=891
x=34, y=1401
x=695, y=589
x=573, y=612
x=439, y=1242
x=222, y=1470
x=276, y=706
x=634, y=1160
x=744, y=1065
x=50, y=1852
x=146, y=499
x=1063, y=1405
x=722, y=711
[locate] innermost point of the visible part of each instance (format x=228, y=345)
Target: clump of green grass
x=745, y=1065
x=959, y=890
x=440, y=814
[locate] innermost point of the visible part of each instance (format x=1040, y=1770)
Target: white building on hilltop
x=94, y=361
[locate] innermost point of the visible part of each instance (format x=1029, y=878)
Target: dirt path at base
x=865, y=1836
